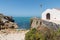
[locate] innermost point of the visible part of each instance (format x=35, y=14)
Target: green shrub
x=34, y=34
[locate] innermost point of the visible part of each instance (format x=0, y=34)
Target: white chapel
x=52, y=15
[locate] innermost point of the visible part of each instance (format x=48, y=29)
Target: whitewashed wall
x=54, y=14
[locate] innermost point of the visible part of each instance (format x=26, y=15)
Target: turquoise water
x=23, y=22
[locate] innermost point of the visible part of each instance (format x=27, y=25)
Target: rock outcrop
x=51, y=25
x=7, y=22
x=37, y=23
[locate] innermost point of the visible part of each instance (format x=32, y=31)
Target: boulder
x=11, y=25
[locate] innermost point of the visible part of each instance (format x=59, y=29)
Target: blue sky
x=26, y=8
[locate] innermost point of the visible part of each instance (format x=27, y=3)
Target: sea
x=23, y=22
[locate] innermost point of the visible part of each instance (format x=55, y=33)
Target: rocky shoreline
x=9, y=29
x=7, y=22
